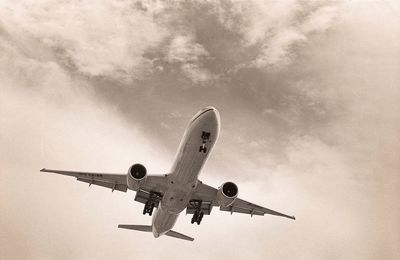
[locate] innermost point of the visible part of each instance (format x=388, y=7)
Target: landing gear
x=151, y=203
x=197, y=217
x=198, y=214
x=148, y=208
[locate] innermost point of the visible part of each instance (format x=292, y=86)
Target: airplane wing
x=153, y=183
x=208, y=195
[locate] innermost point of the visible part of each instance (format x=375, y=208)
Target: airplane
x=180, y=189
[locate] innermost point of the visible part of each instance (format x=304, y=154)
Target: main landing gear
x=151, y=203
x=148, y=208
x=197, y=215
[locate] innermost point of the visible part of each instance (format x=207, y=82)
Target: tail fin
x=145, y=228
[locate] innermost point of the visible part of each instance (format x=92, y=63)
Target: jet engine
x=137, y=174
x=227, y=194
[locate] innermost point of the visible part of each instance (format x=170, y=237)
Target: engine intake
x=227, y=194
x=137, y=174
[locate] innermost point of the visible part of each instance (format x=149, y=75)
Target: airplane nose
x=209, y=108
x=208, y=112
x=213, y=112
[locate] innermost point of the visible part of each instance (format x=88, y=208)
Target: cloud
x=280, y=27
x=311, y=130
x=79, y=37
x=276, y=52
x=320, y=20
x=184, y=51
x=138, y=36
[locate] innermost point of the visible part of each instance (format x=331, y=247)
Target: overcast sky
x=309, y=98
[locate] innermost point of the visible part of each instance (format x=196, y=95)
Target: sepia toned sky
x=309, y=98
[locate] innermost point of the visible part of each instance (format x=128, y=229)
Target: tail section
x=178, y=235
x=145, y=228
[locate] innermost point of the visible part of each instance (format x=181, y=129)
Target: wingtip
x=43, y=169
x=293, y=217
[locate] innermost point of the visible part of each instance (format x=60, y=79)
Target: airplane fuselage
x=194, y=149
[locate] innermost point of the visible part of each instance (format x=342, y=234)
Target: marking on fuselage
x=205, y=136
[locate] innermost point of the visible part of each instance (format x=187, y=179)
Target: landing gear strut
x=151, y=203
x=198, y=215
x=148, y=208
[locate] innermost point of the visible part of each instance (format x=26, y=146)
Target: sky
x=308, y=93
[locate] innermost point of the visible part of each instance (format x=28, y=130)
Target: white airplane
x=180, y=189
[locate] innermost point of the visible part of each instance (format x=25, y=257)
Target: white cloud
x=184, y=49
x=277, y=50
x=320, y=20
x=278, y=27
x=97, y=38
x=188, y=54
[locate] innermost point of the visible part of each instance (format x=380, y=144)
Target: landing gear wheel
x=198, y=213
x=148, y=208
x=197, y=217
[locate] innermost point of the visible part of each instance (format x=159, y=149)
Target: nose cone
x=208, y=108
x=208, y=112
x=212, y=114
x=207, y=119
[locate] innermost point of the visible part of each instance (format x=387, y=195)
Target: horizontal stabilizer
x=178, y=235
x=143, y=228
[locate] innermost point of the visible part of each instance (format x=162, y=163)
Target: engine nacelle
x=227, y=194
x=137, y=174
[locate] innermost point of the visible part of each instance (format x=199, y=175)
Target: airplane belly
x=163, y=221
x=193, y=152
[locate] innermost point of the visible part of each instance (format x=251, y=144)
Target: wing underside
x=208, y=196
x=107, y=180
x=153, y=184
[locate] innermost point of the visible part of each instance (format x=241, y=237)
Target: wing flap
x=241, y=206
x=111, y=181
x=110, y=185
x=233, y=209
